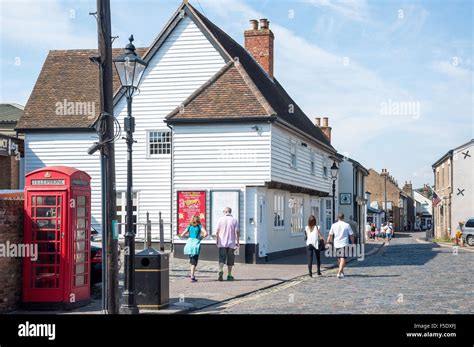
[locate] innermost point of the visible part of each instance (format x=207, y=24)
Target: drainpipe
x=171, y=189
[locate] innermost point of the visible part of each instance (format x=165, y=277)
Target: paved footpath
x=407, y=276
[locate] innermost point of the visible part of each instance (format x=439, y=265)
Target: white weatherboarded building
x=205, y=121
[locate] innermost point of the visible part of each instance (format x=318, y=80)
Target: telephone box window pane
x=46, y=235
x=79, y=280
x=80, y=234
x=47, y=259
x=46, y=212
x=81, y=223
x=80, y=246
x=33, y=199
x=80, y=268
x=81, y=212
x=44, y=247
x=45, y=224
x=81, y=200
x=80, y=257
x=45, y=270
x=46, y=200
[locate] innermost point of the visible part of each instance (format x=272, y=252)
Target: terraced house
x=211, y=118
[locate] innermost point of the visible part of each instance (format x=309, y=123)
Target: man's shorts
x=227, y=256
x=342, y=252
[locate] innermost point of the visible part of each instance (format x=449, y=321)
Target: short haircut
x=228, y=210
x=340, y=216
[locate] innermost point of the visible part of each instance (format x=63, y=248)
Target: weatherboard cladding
x=65, y=73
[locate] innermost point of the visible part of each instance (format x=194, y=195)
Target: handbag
x=192, y=247
x=321, y=245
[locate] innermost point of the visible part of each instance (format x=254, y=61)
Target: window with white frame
x=279, y=211
x=297, y=215
x=329, y=218
x=325, y=171
x=312, y=164
x=293, y=153
x=159, y=143
x=122, y=210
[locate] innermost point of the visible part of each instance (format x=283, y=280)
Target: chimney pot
x=264, y=23
x=253, y=24
x=259, y=43
x=317, y=121
x=326, y=129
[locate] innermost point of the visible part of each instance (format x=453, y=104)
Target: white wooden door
x=262, y=226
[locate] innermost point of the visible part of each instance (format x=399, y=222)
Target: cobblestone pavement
x=407, y=276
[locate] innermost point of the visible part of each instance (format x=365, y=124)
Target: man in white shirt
x=340, y=233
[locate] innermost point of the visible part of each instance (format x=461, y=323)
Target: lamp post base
x=128, y=309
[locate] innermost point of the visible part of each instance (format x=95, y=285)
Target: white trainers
x=340, y=275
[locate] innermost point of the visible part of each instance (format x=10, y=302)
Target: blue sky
x=346, y=60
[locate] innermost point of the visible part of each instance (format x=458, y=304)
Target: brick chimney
x=325, y=128
x=408, y=188
x=259, y=43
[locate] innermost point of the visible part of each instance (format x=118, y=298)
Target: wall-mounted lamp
x=258, y=129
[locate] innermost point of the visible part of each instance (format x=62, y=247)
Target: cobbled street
x=409, y=276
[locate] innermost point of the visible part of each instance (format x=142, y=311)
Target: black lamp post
x=385, y=208
x=334, y=170
x=130, y=68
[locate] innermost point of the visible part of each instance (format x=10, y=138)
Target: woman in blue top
x=195, y=230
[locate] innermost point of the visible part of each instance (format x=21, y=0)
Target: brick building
x=11, y=147
x=379, y=183
x=453, y=178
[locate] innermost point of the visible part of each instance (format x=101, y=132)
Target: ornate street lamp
x=334, y=171
x=130, y=68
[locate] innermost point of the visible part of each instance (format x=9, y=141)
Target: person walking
x=387, y=232
x=195, y=232
x=340, y=234
x=228, y=235
x=314, y=244
x=354, y=227
x=373, y=231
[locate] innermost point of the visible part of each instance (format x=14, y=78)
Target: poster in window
x=221, y=199
x=191, y=203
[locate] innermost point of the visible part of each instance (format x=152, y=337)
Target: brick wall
x=11, y=229
x=9, y=172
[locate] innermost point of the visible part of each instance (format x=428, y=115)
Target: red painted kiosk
x=57, y=220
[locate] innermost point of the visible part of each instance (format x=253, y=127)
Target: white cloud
x=353, y=9
x=45, y=24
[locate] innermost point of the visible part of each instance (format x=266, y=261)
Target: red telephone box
x=57, y=220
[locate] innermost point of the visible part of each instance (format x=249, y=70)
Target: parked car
x=468, y=232
x=96, y=257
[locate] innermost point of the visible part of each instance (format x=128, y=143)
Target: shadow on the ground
x=408, y=254
x=350, y=275
x=192, y=303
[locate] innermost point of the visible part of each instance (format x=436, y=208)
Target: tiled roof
x=228, y=95
x=283, y=106
x=66, y=75
x=70, y=75
x=10, y=113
